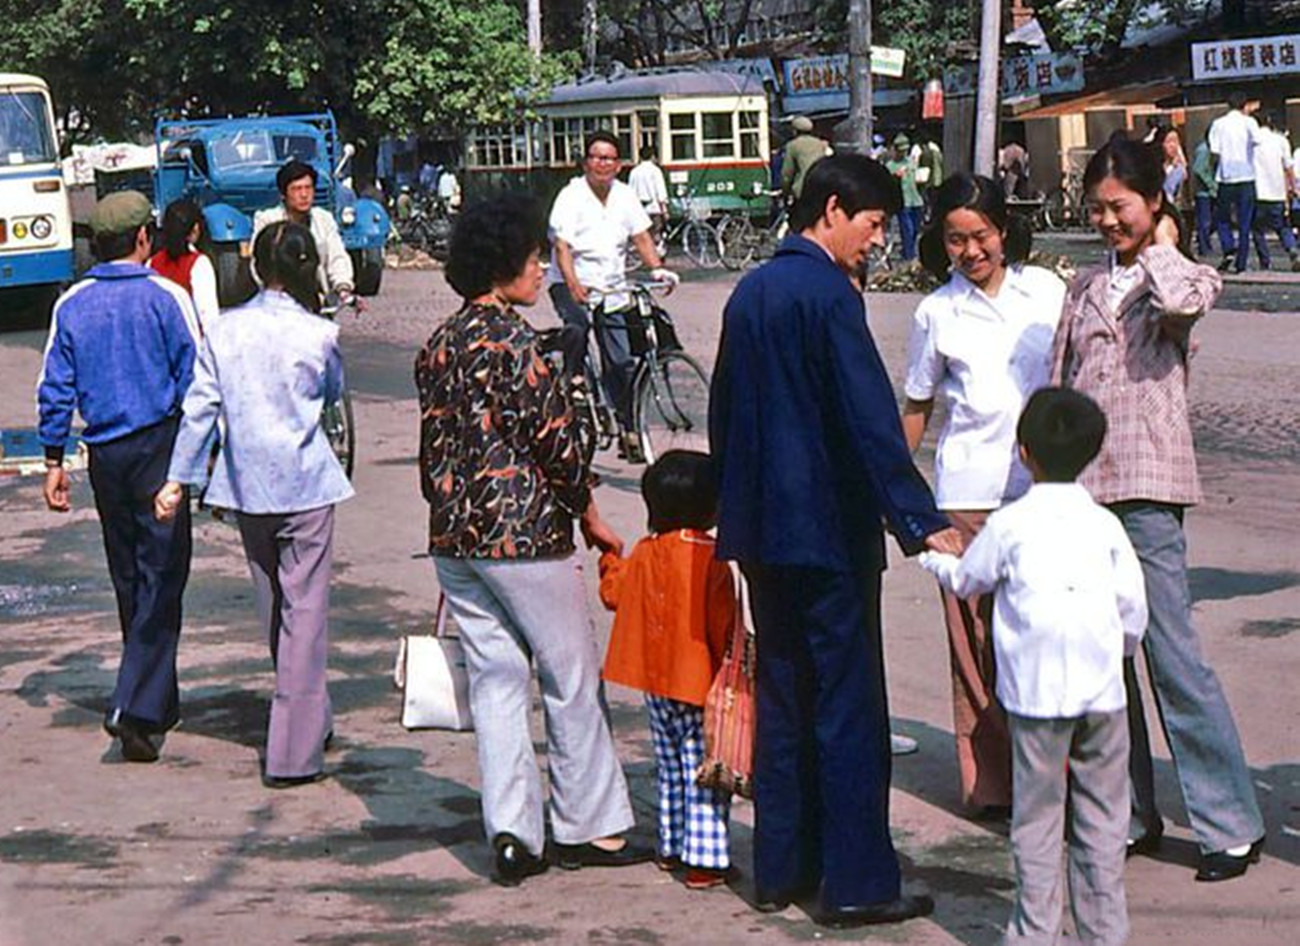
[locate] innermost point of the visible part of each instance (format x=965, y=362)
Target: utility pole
x=854, y=133
x=987, y=107
x=535, y=26
x=590, y=29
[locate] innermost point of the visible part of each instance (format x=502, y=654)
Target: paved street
x=390, y=850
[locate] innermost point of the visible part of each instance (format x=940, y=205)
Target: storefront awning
x=1142, y=93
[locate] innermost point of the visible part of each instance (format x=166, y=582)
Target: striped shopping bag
x=729, y=715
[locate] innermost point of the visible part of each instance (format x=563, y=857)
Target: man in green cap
x=903, y=166
x=121, y=353
x=803, y=151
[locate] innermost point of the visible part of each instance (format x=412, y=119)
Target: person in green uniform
x=802, y=151
x=903, y=167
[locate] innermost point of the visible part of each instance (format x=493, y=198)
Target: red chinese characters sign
x=1244, y=58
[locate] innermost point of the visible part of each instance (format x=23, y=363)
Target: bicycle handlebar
x=598, y=295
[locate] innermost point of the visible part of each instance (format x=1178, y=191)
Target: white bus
x=35, y=217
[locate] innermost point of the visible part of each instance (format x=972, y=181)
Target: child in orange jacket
x=674, y=605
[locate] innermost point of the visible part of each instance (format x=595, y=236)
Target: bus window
x=681, y=132
x=749, y=140
x=25, y=135
x=719, y=135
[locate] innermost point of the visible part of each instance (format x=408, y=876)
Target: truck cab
x=228, y=167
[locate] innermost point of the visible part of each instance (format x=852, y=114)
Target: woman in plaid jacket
x=1125, y=339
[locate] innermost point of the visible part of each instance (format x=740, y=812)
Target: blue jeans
x=1271, y=215
x=909, y=222
x=1204, y=224
x=1236, y=200
x=1216, y=784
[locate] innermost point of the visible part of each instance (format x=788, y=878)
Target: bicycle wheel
x=1054, y=210
x=341, y=431
x=739, y=238
x=701, y=245
x=671, y=400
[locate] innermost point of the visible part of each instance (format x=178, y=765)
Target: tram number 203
x=720, y=187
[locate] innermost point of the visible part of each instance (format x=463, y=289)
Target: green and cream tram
x=710, y=130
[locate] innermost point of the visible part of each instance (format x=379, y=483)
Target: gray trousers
x=512, y=613
x=1095, y=748
x=290, y=557
x=1216, y=784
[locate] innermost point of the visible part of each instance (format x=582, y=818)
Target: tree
x=382, y=66
x=1099, y=26
x=933, y=33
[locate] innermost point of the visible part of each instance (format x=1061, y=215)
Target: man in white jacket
x=297, y=184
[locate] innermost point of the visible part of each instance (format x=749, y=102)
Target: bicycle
x=1066, y=206
x=743, y=241
x=696, y=236
x=337, y=420
x=669, y=391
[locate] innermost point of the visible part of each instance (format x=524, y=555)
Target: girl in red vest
x=179, y=261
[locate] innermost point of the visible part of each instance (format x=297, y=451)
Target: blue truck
x=228, y=167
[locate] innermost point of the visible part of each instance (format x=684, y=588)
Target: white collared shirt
x=1069, y=601
x=1272, y=158
x=985, y=356
x=597, y=232
x=1233, y=139
x=647, y=180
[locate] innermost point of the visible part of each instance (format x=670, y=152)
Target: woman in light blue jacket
x=267, y=370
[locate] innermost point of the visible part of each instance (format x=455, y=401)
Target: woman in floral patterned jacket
x=505, y=467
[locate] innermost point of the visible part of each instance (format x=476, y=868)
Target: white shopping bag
x=434, y=680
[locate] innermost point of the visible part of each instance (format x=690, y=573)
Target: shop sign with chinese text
x=1246, y=58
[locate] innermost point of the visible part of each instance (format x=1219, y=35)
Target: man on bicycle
x=593, y=219
x=296, y=182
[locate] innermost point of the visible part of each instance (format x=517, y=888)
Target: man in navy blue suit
x=813, y=465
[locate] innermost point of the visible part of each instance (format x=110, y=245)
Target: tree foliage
x=383, y=66
x=1099, y=26
x=933, y=33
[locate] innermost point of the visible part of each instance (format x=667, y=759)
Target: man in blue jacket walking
x=121, y=353
x=812, y=465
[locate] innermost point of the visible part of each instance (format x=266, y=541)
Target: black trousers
x=821, y=753
x=616, y=360
x=148, y=562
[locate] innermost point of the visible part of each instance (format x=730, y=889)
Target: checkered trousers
x=692, y=820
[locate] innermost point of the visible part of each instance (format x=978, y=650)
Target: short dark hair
x=966, y=191
x=1238, y=98
x=1062, y=431
x=294, y=170
x=285, y=255
x=108, y=247
x=860, y=183
x=600, y=137
x=681, y=491
x=178, y=220
x=491, y=242
x=1266, y=118
x=647, y=152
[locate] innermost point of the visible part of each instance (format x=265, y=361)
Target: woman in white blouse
x=982, y=342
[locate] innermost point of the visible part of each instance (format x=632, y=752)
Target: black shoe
x=514, y=863
x=292, y=781
x=136, y=744
x=905, y=907
x=1146, y=845
x=777, y=901
x=1224, y=866
x=577, y=856
x=329, y=741
x=1227, y=264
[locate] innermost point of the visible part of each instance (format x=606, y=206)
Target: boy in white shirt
x=1069, y=606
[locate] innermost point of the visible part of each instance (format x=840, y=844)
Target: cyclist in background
x=296, y=182
x=593, y=219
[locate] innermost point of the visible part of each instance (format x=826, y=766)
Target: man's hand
x=670, y=279
x=168, y=501
x=579, y=293
x=598, y=533
x=57, y=494
x=947, y=540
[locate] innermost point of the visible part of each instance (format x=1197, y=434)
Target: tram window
x=749, y=144
x=719, y=135
x=623, y=132
x=681, y=130
x=503, y=146
x=647, y=131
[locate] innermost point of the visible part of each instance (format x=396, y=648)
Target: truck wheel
x=235, y=284
x=369, y=267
